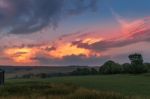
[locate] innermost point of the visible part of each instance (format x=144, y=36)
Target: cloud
x=71, y=60
x=138, y=31
x=82, y=5
x=81, y=48
x=28, y=16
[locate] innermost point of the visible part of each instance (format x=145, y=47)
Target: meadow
x=79, y=87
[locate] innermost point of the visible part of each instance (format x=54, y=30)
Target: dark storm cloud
x=72, y=60
x=28, y=16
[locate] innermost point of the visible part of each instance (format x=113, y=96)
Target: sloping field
x=124, y=84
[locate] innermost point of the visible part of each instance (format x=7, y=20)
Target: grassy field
x=39, y=90
x=125, y=84
x=128, y=85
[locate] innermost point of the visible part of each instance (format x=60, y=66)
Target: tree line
x=137, y=66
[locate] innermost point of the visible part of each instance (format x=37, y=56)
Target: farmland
x=118, y=85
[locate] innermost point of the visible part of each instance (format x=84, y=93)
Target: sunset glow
x=69, y=32
x=67, y=50
x=92, y=40
x=20, y=55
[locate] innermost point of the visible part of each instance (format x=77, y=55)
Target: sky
x=73, y=32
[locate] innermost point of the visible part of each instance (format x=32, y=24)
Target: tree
x=137, y=65
x=110, y=67
x=85, y=71
x=126, y=68
x=147, y=65
x=81, y=71
x=136, y=59
x=94, y=71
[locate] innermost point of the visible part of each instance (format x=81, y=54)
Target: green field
x=125, y=84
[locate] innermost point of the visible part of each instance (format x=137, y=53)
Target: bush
x=93, y=71
x=126, y=68
x=137, y=68
x=134, y=69
x=110, y=67
x=81, y=71
x=147, y=65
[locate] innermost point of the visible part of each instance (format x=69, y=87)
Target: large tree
x=136, y=59
x=110, y=67
x=137, y=65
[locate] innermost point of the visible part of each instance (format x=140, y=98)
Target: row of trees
x=110, y=67
x=85, y=71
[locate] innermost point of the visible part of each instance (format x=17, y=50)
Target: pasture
x=120, y=85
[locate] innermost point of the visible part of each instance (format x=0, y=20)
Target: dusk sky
x=73, y=32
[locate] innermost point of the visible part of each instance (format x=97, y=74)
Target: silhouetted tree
x=126, y=68
x=136, y=59
x=147, y=65
x=42, y=75
x=110, y=67
x=81, y=71
x=94, y=71
x=137, y=65
x=85, y=71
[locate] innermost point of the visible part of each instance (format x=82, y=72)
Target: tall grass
x=34, y=90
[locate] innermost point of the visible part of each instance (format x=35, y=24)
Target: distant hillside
x=16, y=71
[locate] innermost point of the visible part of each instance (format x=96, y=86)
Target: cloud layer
x=79, y=48
x=137, y=31
x=28, y=16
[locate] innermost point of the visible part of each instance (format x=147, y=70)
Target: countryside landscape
x=74, y=49
x=109, y=81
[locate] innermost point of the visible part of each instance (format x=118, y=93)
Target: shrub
x=126, y=68
x=81, y=71
x=93, y=71
x=147, y=65
x=110, y=67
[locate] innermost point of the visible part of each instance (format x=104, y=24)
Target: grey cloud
x=71, y=60
x=32, y=15
x=28, y=16
x=82, y=5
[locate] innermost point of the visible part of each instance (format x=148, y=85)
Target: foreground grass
x=124, y=84
x=107, y=87
x=38, y=90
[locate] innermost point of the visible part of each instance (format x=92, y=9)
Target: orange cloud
x=92, y=40
x=56, y=50
x=86, y=44
x=67, y=50
x=20, y=55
